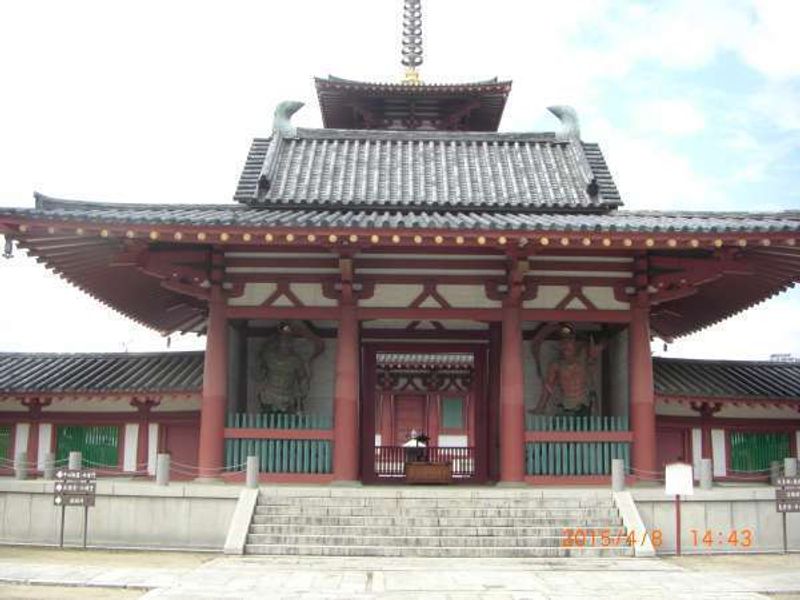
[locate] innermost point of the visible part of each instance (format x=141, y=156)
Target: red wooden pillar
x=345, y=401
x=643, y=414
x=512, y=402
x=215, y=389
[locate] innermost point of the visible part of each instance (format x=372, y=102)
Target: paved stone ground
x=179, y=576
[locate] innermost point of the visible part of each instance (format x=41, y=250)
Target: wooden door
x=409, y=415
x=672, y=447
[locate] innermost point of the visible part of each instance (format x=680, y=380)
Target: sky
x=696, y=105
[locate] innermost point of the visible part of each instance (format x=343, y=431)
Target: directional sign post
x=74, y=487
x=787, y=499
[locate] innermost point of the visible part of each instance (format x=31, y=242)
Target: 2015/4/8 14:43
x=741, y=538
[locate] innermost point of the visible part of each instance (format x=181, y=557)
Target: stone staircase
x=434, y=522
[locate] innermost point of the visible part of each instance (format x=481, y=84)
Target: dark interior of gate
x=424, y=409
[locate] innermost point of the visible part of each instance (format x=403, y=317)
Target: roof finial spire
x=412, y=40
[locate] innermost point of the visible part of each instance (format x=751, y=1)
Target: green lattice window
x=99, y=444
x=452, y=413
x=5, y=441
x=756, y=451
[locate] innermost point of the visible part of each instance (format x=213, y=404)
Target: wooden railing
x=548, y=423
x=390, y=460
x=283, y=443
x=575, y=446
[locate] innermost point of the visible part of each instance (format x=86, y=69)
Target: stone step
x=566, y=513
x=439, y=502
x=368, y=529
x=432, y=541
x=441, y=551
x=604, y=520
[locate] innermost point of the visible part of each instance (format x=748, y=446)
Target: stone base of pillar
x=210, y=480
x=352, y=484
x=511, y=484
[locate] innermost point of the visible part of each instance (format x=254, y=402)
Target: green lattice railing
x=277, y=454
x=574, y=458
x=5, y=442
x=547, y=423
x=278, y=421
x=280, y=456
x=752, y=452
x=98, y=444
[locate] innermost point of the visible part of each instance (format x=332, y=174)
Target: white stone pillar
x=22, y=432
x=719, y=452
x=697, y=451
x=130, y=447
x=45, y=447
x=152, y=448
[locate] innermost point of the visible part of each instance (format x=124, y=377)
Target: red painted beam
x=277, y=434
x=579, y=436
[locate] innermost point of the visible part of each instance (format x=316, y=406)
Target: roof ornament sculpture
x=282, y=122
x=571, y=129
x=8, y=248
x=412, y=40
x=282, y=129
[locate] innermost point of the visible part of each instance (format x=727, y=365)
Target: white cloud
x=670, y=117
x=651, y=175
x=771, y=45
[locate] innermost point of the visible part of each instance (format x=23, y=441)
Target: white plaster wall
x=453, y=441
x=45, y=439
x=467, y=296
x=130, y=447
x=719, y=452
x=254, y=294
x=21, y=433
x=547, y=296
x=310, y=294
x=126, y=515
x=697, y=451
x=720, y=510
x=603, y=298
x=392, y=295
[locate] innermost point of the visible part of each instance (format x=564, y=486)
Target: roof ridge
x=418, y=134
x=725, y=361
x=164, y=353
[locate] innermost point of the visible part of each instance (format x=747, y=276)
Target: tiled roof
x=726, y=379
x=244, y=216
x=426, y=171
x=94, y=373
x=447, y=360
x=165, y=372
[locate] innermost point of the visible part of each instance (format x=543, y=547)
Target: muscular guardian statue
x=569, y=378
x=285, y=375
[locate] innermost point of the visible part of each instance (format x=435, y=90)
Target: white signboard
x=678, y=480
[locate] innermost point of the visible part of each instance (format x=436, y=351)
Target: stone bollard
x=790, y=467
x=617, y=474
x=49, y=466
x=706, y=473
x=252, y=472
x=75, y=461
x=21, y=465
x=774, y=472
x=162, y=469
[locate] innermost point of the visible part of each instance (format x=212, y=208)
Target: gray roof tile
x=324, y=168
x=161, y=372
x=726, y=378
x=381, y=218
